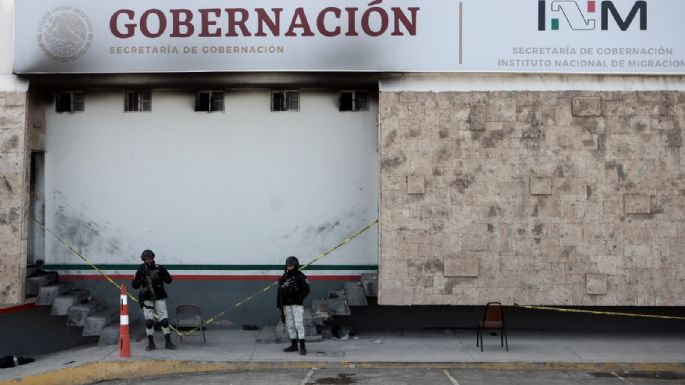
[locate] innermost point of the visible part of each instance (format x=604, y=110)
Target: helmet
x=147, y=254
x=292, y=261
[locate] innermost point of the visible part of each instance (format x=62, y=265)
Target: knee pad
x=149, y=324
x=164, y=323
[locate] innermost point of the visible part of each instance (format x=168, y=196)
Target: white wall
x=247, y=186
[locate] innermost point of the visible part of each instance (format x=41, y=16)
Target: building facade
x=541, y=194
x=501, y=167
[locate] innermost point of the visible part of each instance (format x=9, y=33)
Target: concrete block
x=475, y=242
x=320, y=318
x=596, y=283
x=332, y=306
x=33, y=284
x=478, y=116
x=370, y=284
x=636, y=204
x=48, y=293
x=78, y=314
x=338, y=306
x=319, y=306
x=587, y=106
x=540, y=186
x=393, y=183
x=416, y=184
x=640, y=124
x=533, y=115
x=355, y=294
x=96, y=323
x=590, y=124
x=670, y=138
x=625, y=147
x=501, y=109
x=618, y=124
x=62, y=303
x=461, y=266
x=34, y=270
x=337, y=294
x=610, y=265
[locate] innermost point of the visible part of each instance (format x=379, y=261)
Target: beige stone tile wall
x=558, y=198
x=13, y=182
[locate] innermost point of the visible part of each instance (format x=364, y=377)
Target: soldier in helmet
x=293, y=288
x=151, y=279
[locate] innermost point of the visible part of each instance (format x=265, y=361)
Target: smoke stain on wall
x=76, y=230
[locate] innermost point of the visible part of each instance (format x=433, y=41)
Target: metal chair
x=493, y=318
x=189, y=317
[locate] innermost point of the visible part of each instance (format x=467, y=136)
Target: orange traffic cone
x=124, y=341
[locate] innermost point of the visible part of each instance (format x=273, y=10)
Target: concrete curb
x=104, y=371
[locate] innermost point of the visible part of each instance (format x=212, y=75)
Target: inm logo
x=581, y=15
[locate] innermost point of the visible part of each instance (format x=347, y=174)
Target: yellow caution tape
x=91, y=264
x=271, y=286
x=324, y=255
x=339, y=245
x=613, y=313
x=235, y=306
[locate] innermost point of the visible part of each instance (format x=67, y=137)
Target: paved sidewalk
x=228, y=349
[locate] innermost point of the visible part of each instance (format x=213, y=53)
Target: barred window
x=137, y=101
x=353, y=101
x=70, y=101
x=209, y=101
x=284, y=100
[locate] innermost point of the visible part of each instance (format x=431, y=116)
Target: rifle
x=148, y=283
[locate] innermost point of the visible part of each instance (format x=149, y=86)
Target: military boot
x=168, y=344
x=150, y=343
x=303, y=349
x=292, y=347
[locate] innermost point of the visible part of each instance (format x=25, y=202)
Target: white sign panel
x=548, y=36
